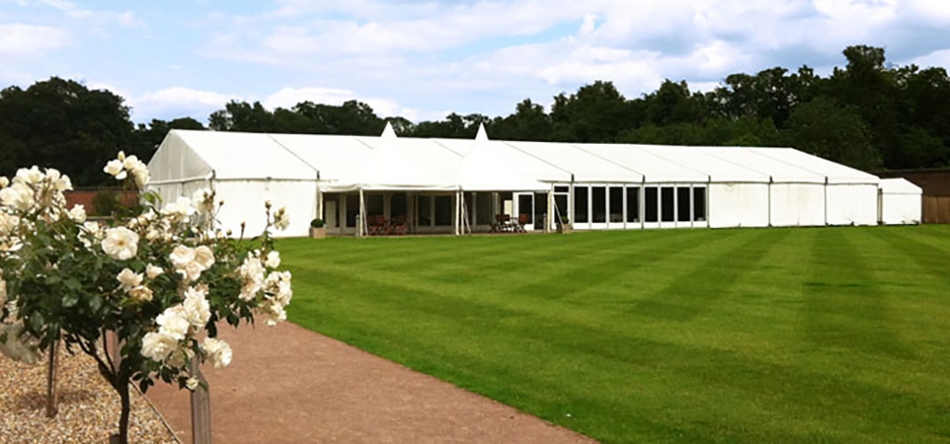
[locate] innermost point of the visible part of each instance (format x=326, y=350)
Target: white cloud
x=937, y=58
x=288, y=97
x=177, y=102
x=31, y=41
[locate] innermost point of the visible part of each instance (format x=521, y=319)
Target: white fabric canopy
x=746, y=186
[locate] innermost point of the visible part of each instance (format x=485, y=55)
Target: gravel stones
x=88, y=407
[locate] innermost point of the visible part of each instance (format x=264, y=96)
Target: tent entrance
x=523, y=211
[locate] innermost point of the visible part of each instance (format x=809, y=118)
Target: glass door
x=524, y=210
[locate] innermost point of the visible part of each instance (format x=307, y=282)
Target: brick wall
x=86, y=197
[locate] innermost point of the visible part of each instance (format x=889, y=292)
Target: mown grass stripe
x=779, y=335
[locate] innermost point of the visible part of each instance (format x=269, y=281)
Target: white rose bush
x=161, y=279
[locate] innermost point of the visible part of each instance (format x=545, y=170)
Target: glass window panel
x=682, y=204
x=425, y=211
x=580, y=205
x=443, y=210
x=374, y=204
x=560, y=204
x=483, y=208
x=633, y=204
x=666, y=200
x=562, y=189
x=616, y=204
x=540, y=209
x=650, y=201
x=397, y=205
x=699, y=204
x=600, y=204
x=352, y=209
x=525, y=208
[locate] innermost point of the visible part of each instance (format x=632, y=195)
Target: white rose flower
x=59, y=181
x=182, y=256
x=252, y=271
x=129, y=279
x=217, y=351
x=204, y=257
x=179, y=357
x=190, y=272
x=273, y=259
x=4, y=182
x=141, y=177
x=191, y=384
x=152, y=271
x=120, y=243
x=8, y=223
x=181, y=207
x=281, y=219
x=77, y=213
x=272, y=313
x=130, y=162
x=115, y=169
x=173, y=323
x=141, y=293
x=197, y=310
x=203, y=200
x=30, y=176
x=157, y=346
x=18, y=196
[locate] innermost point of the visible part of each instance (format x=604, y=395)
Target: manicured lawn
x=754, y=335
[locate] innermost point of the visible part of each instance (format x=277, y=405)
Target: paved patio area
x=287, y=384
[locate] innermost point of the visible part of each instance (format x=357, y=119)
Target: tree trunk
x=52, y=406
x=123, y=389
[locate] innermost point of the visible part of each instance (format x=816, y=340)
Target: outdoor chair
x=377, y=225
x=398, y=226
x=522, y=221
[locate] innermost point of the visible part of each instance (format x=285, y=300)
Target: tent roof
x=235, y=155
x=389, y=162
x=899, y=185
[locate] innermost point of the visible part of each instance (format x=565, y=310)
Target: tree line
x=868, y=114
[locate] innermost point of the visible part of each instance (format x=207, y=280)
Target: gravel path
x=287, y=384
x=88, y=406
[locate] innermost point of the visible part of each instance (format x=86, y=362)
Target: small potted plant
x=317, y=230
x=564, y=226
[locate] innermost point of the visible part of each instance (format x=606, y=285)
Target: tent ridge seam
x=292, y=153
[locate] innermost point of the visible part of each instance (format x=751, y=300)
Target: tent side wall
x=852, y=204
x=901, y=209
x=738, y=205
x=244, y=202
x=796, y=204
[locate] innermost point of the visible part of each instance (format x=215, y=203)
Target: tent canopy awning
x=345, y=163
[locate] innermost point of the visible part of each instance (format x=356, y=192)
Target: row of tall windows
x=603, y=204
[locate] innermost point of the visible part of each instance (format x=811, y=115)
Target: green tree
x=529, y=122
x=829, y=130
x=62, y=124
x=673, y=104
x=596, y=113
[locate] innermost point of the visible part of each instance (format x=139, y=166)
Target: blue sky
x=423, y=59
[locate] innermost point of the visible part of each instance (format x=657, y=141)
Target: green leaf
x=37, y=321
x=70, y=299
x=95, y=302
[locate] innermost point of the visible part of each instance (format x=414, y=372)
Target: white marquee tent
x=451, y=185
x=900, y=202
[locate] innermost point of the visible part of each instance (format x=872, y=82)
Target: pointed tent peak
x=388, y=132
x=482, y=135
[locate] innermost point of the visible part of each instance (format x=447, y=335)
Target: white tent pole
x=362, y=224
x=550, y=221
